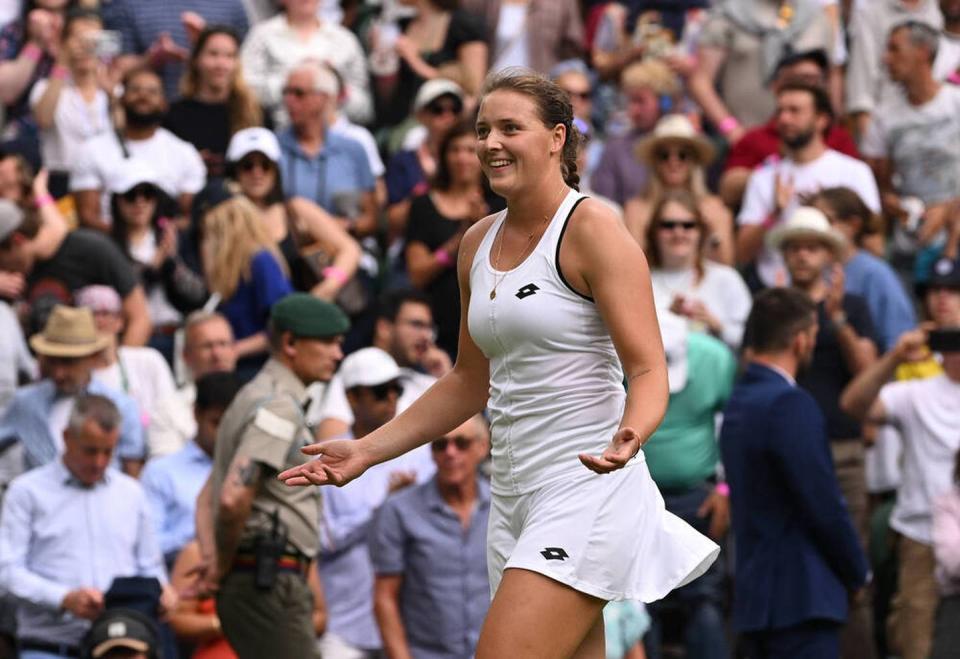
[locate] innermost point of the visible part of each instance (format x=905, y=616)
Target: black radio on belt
x=268, y=550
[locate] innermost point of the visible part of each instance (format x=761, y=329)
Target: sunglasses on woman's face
x=667, y=224
x=382, y=391
x=683, y=155
x=147, y=192
x=249, y=164
x=440, y=445
x=438, y=109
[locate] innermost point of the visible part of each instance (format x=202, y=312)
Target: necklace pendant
x=493, y=293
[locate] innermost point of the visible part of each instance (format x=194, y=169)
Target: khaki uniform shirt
x=266, y=422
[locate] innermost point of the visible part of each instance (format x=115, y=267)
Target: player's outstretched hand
x=624, y=445
x=338, y=462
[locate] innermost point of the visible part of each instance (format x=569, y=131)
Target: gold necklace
x=496, y=263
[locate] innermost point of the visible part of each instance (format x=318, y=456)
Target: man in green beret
x=257, y=536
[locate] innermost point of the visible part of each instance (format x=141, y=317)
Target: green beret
x=309, y=317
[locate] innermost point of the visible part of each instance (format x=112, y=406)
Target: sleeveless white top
x=556, y=383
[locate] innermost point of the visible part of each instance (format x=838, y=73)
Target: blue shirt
x=57, y=534
x=890, y=308
x=172, y=484
x=249, y=307
x=339, y=171
x=445, y=593
x=140, y=22
x=28, y=414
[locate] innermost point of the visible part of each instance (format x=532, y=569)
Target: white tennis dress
x=556, y=390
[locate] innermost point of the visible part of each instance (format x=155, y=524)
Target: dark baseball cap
x=944, y=273
x=304, y=315
x=121, y=628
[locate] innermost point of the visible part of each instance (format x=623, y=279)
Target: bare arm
x=719, y=219
x=749, y=241
x=325, y=231
x=233, y=508
x=453, y=399
x=860, y=398
x=187, y=623
x=702, y=89
x=15, y=75
x=473, y=60
x=204, y=521
x=636, y=215
x=365, y=224
x=137, y=318
x=46, y=107
x=319, y=600
x=733, y=184
x=386, y=607
x=602, y=260
x=254, y=344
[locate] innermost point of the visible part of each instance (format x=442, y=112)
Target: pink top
x=946, y=541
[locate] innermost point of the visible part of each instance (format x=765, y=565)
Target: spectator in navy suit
x=799, y=561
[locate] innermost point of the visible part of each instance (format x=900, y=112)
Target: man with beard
x=798, y=559
x=845, y=347
x=807, y=165
x=180, y=170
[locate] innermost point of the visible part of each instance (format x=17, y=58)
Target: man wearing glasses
x=371, y=379
x=431, y=590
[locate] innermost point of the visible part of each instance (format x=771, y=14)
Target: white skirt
x=608, y=536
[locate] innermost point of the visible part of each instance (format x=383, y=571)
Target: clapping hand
x=625, y=444
x=338, y=462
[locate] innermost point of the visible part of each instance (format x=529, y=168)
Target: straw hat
x=807, y=222
x=69, y=332
x=675, y=129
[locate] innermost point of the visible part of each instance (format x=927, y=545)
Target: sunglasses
x=438, y=109
x=683, y=155
x=147, y=192
x=669, y=225
x=297, y=92
x=440, y=445
x=382, y=391
x=249, y=164
x=583, y=96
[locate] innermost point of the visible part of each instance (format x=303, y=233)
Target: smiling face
x=516, y=150
x=217, y=61
x=257, y=176
x=678, y=235
x=674, y=162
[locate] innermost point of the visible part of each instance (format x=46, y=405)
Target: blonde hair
x=233, y=234
x=650, y=74
x=243, y=108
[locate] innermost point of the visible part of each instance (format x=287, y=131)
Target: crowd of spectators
x=169, y=171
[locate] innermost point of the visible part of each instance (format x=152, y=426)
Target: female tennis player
x=558, y=308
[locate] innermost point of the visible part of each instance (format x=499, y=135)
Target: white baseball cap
x=368, y=368
x=253, y=140
x=134, y=172
x=431, y=90
x=673, y=331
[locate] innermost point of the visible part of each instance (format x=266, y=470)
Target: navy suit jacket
x=797, y=554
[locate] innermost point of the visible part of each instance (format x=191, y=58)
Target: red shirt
x=761, y=142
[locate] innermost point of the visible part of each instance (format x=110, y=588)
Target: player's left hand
x=624, y=445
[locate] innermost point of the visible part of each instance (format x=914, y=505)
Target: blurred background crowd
x=170, y=170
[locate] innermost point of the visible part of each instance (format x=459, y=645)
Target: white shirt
x=177, y=164
x=172, y=424
x=59, y=416
x=345, y=127
x=57, y=535
x=948, y=56
x=556, y=383
x=272, y=48
x=927, y=413
x=15, y=357
x=141, y=373
x=829, y=170
x=74, y=122
x=512, y=47
x=721, y=289
x=159, y=307
x=920, y=141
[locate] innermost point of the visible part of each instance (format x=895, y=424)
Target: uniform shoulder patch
x=274, y=424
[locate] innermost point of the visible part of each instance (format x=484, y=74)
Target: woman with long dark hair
x=557, y=312
x=437, y=222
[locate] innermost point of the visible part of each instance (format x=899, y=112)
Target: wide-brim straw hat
x=675, y=129
x=69, y=332
x=807, y=222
